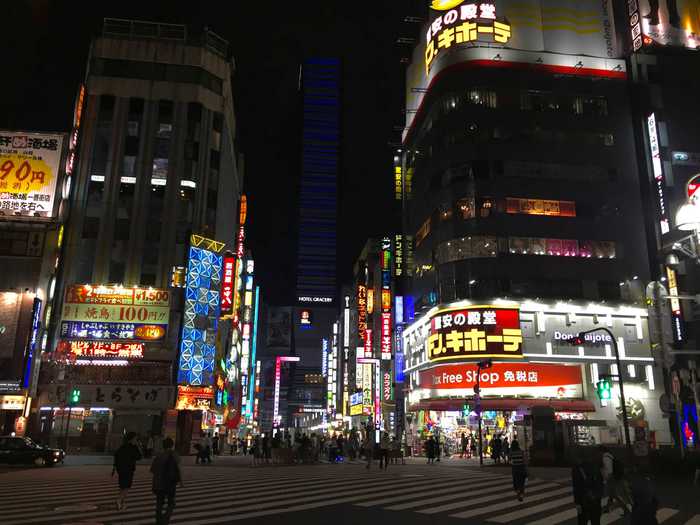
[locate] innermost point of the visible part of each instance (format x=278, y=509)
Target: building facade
x=517, y=184
x=156, y=177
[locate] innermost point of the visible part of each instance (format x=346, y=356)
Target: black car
x=22, y=450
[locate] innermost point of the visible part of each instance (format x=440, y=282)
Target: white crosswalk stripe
x=71, y=495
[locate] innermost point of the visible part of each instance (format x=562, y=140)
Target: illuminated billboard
x=667, y=23
x=475, y=332
x=29, y=171
x=100, y=312
x=556, y=36
x=108, y=349
x=201, y=313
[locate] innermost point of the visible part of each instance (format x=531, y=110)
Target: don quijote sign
x=596, y=338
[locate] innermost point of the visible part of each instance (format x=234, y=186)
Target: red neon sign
x=227, y=284
x=105, y=349
x=386, y=335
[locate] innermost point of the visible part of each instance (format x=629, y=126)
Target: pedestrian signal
x=604, y=389
x=74, y=396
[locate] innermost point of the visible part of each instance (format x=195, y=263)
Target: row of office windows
x=471, y=207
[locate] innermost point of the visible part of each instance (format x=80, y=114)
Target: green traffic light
x=75, y=396
x=604, y=390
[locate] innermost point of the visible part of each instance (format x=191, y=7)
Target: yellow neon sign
x=473, y=21
x=444, y=5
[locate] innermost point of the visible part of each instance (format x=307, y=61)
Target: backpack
x=170, y=473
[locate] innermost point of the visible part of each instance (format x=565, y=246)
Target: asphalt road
x=231, y=491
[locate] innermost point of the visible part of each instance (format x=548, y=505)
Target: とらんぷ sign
x=475, y=332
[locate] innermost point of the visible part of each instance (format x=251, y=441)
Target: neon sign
x=469, y=22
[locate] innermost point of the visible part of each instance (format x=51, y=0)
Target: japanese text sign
x=227, y=284
x=475, y=332
x=466, y=23
x=114, y=349
x=542, y=380
x=29, y=171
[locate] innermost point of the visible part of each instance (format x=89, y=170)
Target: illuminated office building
x=316, y=252
x=155, y=175
x=517, y=171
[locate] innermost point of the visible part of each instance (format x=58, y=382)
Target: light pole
x=578, y=341
x=481, y=365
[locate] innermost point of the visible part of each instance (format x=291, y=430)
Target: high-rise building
x=156, y=177
x=316, y=253
x=661, y=41
x=520, y=190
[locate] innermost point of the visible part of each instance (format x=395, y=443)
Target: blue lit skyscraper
x=316, y=254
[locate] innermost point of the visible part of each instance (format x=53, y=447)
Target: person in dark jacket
x=644, y=500
x=124, y=466
x=517, y=459
x=587, y=481
x=166, y=476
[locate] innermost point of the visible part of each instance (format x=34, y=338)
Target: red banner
x=227, y=284
x=552, y=379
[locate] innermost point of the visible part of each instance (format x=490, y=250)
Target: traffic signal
x=604, y=389
x=577, y=340
x=74, y=396
x=486, y=363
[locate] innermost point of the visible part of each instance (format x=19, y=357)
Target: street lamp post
x=625, y=422
x=481, y=365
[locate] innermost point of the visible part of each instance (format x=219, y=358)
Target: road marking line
x=507, y=505
x=485, y=499
x=695, y=520
x=465, y=493
x=405, y=495
x=664, y=514
x=556, y=518
x=529, y=511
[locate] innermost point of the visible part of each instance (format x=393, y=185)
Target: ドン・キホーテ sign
x=475, y=332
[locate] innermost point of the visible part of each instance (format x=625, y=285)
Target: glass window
x=466, y=208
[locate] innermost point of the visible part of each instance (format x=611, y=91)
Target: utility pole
x=579, y=341
x=481, y=365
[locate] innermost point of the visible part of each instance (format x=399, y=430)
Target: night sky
x=45, y=46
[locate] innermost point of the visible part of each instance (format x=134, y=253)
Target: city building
x=155, y=187
x=318, y=199
x=519, y=183
x=662, y=52
x=35, y=182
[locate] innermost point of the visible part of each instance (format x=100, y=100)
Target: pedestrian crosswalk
x=224, y=494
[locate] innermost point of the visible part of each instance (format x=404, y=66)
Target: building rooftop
x=140, y=29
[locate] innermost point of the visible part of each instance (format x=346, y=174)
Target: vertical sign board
x=658, y=172
x=201, y=312
x=676, y=312
x=386, y=336
x=31, y=345
x=227, y=284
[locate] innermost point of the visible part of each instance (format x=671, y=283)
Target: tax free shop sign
x=538, y=380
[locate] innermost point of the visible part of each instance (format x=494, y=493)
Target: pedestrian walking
x=517, y=461
x=614, y=479
x=472, y=446
x=206, y=448
x=437, y=447
x=644, y=500
x=587, y=481
x=464, y=443
x=215, y=444
x=496, y=449
x=430, y=449
x=167, y=474
x=150, y=445
x=384, y=447
x=505, y=450
x=368, y=447
x=124, y=466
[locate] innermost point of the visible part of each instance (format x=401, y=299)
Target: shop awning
x=509, y=403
